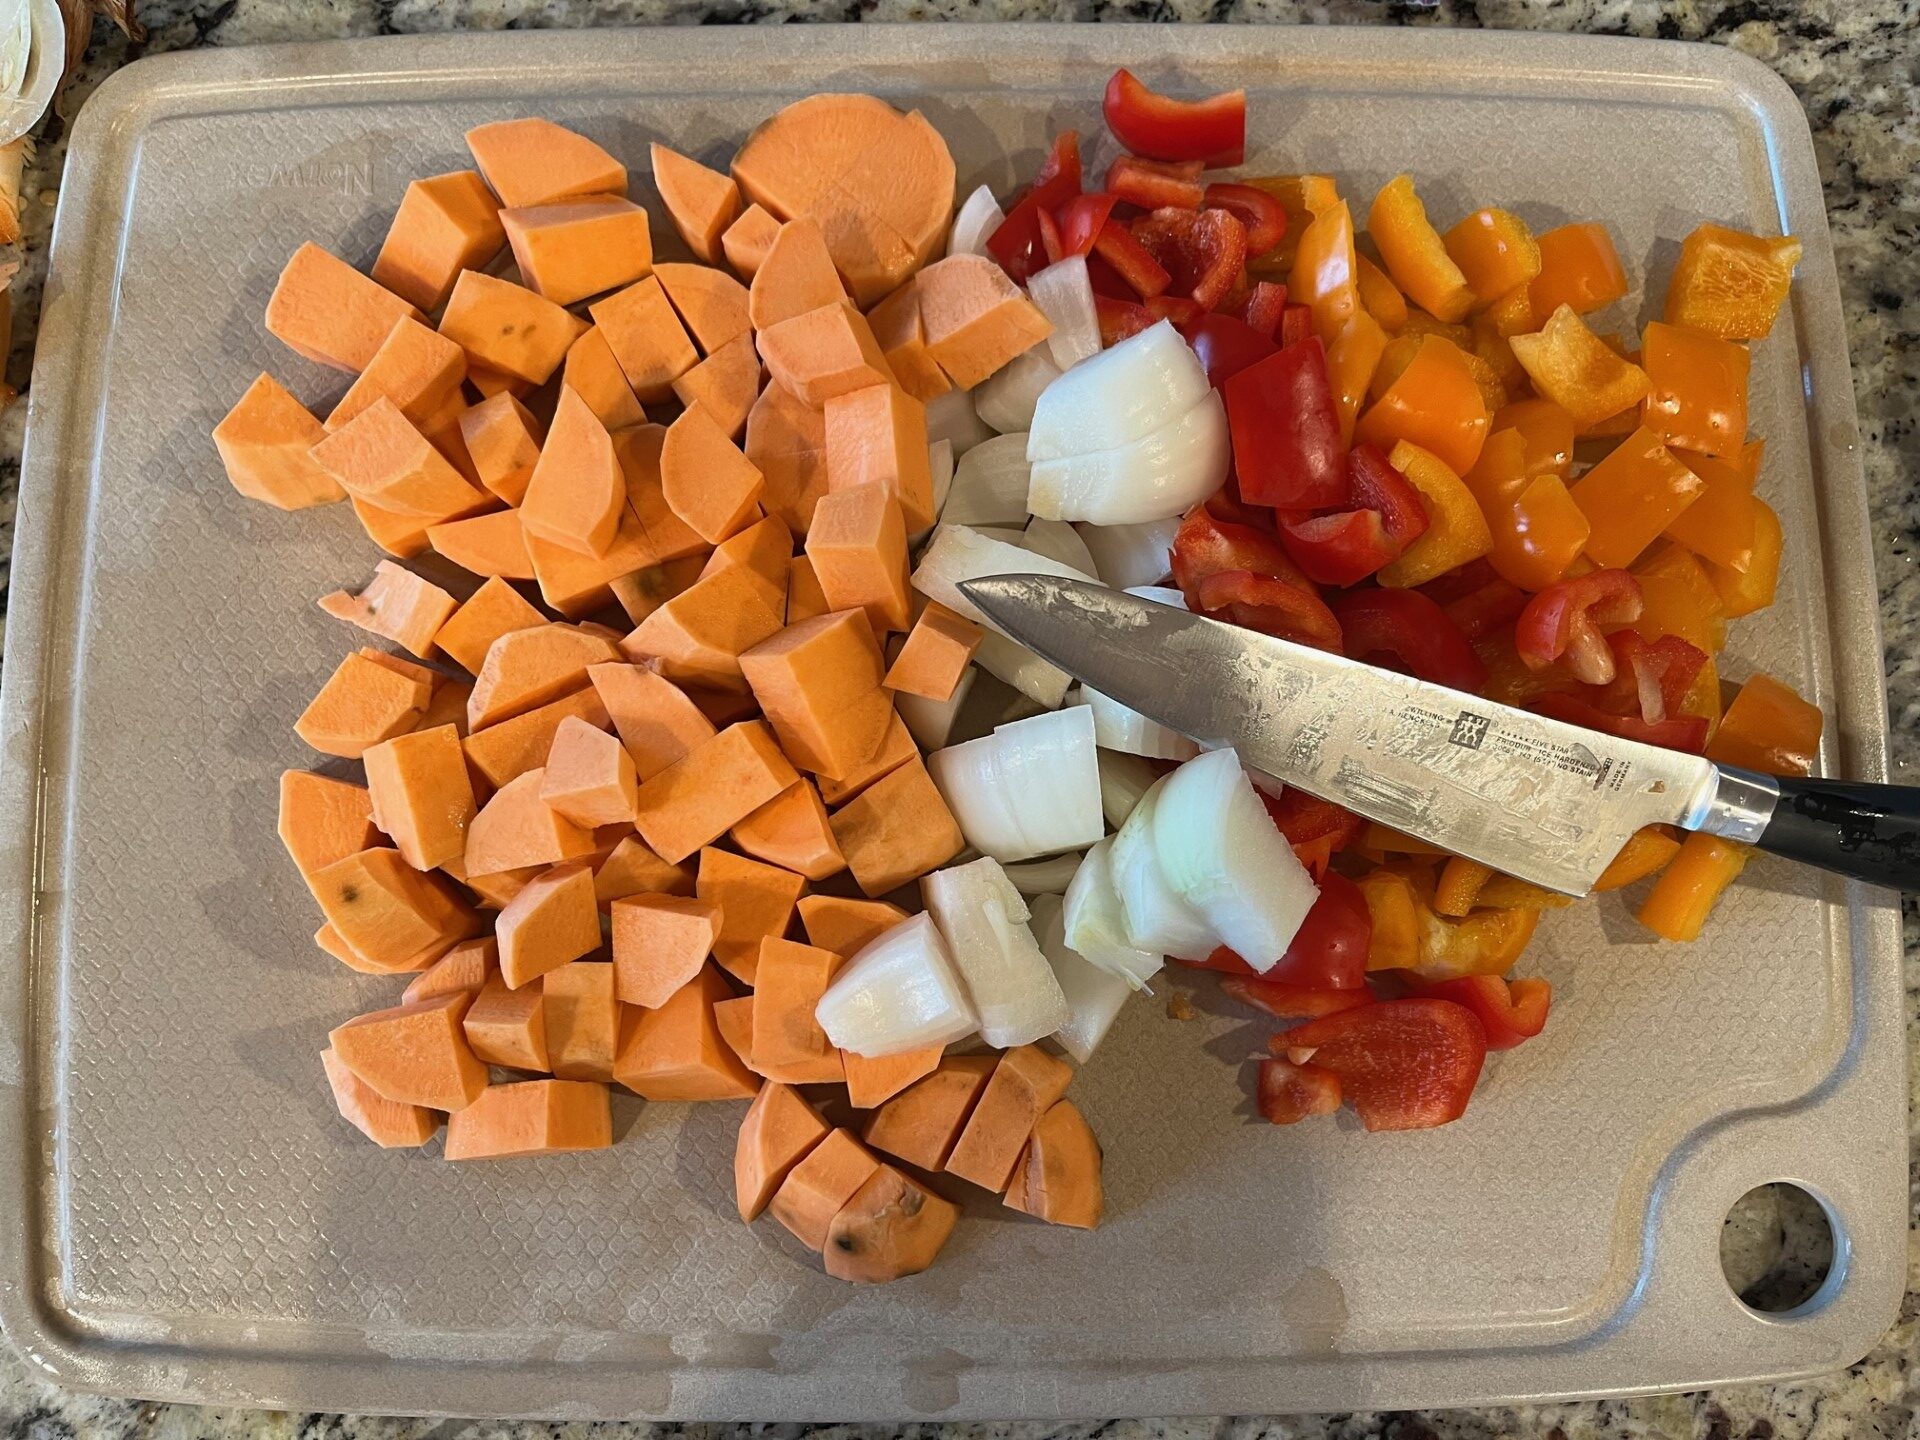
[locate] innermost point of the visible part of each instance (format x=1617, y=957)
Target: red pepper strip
x=1295, y=325
x=1509, y=1013
x=1315, y=856
x=1293, y=1002
x=1286, y=431
x=1459, y=582
x=1327, y=956
x=1680, y=732
x=1290, y=1093
x=1119, y=319
x=1050, y=237
x=1205, y=544
x=1264, y=307
x=1403, y=1064
x=1480, y=613
x=1151, y=184
x=1339, y=549
x=1018, y=244
x=1413, y=633
x=1651, y=677
x=1273, y=607
x=1226, y=346
x=1177, y=308
x=1079, y=221
x=1135, y=264
x=1378, y=486
x=1303, y=817
x=1213, y=131
x=1225, y=505
x=1205, y=252
x=1564, y=620
x=1264, y=217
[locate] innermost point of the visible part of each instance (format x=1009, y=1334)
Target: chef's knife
x=1546, y=801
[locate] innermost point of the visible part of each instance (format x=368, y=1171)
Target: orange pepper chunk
x=1379, y=296
x=1461, y=881
x=1433, y=403
x=1323, y=276
x=1456, y=529
x=1302, y=197
x=1745, y=589
x=1629, y=497
x=1768, y=727
x=1537, y=528
x=1548, y=431
x=1577, y=370
x=1696, y=389
x=1393, y=363
x=1579, y=268
x=1677, y=598
x=1719, y=526
x=1415, y=255
x=1486, y=378
x=1395, y=911
x=1731, y=284
x=1496, y=252
x=1684, y=895
x=1646, y=852
x=1352, y=359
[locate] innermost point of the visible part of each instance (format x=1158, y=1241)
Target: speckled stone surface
x=1855, y=65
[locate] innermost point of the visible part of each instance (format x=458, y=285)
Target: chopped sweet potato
x=656, y=721
x=323, y=819
x=573, y=249
x=465, y=968
x=659, y=944
x=846, y=926
x=632, y=869
x=936, y=655
x=421, y=795
x=805, y=598
x=878, y=436
x=896, y=749
x=362, y=703
x=528, y=668
x=491, y=382
x=583, y=1020
x=892, y=1226
x=503, y=439
x=578, y=491
x=646, y=337
x=896, y=830
x=507, y=327
x=921, y=1124
x=551, y=922
x=592, y=371
x=516, y=828
x=414, y=1054
x=509, y=1027
x=764, y=548
x=706, y=480
x=710, y=789
x=871, y=1083
x=508, y=750
x=330, y=941
x=756, y=902
x=589, y=776
x=397, y=605
x=675, y=1052
x=532, y=1117
x=1057, y=1178
x=645, y=591
x=796, y=275
x=668, y=536
x=823, y=353
x=390, y=1124
x=791, y=831
x=1024, y=1086
x=416, y=367
x=577, y=585
x=726, y=384
x=787, y=440
x=698, y=637
x=379, y=457
x=496, y=891
x=264, y=443
x=858, y=545
x=329, y=312
x=401, y=536
x=735, y=1021
x=819, y=684
x=701, y=202
x=445, y=224
x=788, y=1043
x=779, y=1131
x=710, y=303
x=536, y=162
x=975, y=318
x=747, y=240
x=816, y=1187
x=903, y=340
x=492, y=611
x=492, y=546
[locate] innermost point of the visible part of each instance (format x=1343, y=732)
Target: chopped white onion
x=1059, y=541
x=899, y=992
x=951, y=417
x=1041, y=681
x=1030, y=788
x=1119, y=396
x=930, y=722
x=1221, y=852
x=940, y=470
x=1160, y=476
x=1160, y=595
x=990, y=484
x=1157, y=918
x=1270, y=785
x=1123, y=780
x=980, y=215
x=1038, y=877
x=1005, y=399
x=1064, y=295
x=1097, y=926
x=984, y=921
x=1093, y=996
x=1129, y=555
x=959, y=552
x=1118, y=727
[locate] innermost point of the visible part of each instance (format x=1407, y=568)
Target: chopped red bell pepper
x=1293, y=1002
x=1226, y=505
x=1315, y=856
x=1508, y=1012
x=1205, y=253
x=1287, y=449
x=1263, y=216
x=1328, y=954
x=1296, y=324
x=1412, y=634
x=1303, y=817
x=1564, y=620
x=1273, y=607
x=1487, y=609
x=1339, y=549
x=1651, y=677
x=1290, y=1093
x=1403, y=1064
x=1459, y=582
x=1120, y=319
x=1677, y=732
x=1226, y=346
x=1104, y=279
x=1206, y=544
x=1177, y=308
x=1151, y=184
x=1378, y=486
x=1264, y=307
x=1018, y=244
x=1213, y=131
x=1079, y=221
x=1134, y=264
x=1050, y=237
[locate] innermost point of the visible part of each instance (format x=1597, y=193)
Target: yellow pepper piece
x=1496, y=252
x=1646, y=852
x=1486, y=942
x=1768, y=727
x=1677, y=598
x=1415, y=255
x=1505, y=892
x=1729, y=283
x=1434, y=403
x=1390, y=841
x=1302, y=197
x=1745, y=590
x=1461, y=881
x=1575, y=368
x=1579, y=267
x=1629, y=498
x=1537, y=529
x=1684, y=895
x=1697, y=389
x=1720, y=525
x=1379, y=296
x=1352, y=359
x=1393, y=363
x=1395, y=912
x=1548, y=431
x=1323, y=273
x=1456, y=529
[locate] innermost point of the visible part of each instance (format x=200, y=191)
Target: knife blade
x=1532, y=797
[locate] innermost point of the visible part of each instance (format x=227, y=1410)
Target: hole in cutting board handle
x=1779, y=1251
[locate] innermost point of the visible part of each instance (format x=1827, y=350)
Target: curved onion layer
x=951, y=417
x=980, y=215
x=1030, y=788
x=1118, y=727
x=1119, y=396
x=1157, y=477
x=898, y=992
x=1097, y=926
x=1064, y=295
x=1123, y=780
x=1130, y=555
x=1058, y=541
x=930, y=722
x=960, y=552
x=990, y=484
x=1093, y=996
x=1041, y=877
x=1157, y=918
x=1006, y=398
x=984, y=921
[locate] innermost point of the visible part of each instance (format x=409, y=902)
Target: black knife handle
x=1866, y=832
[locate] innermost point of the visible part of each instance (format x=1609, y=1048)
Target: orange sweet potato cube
x=492, y=546
x=713, y=787
x=660, y=943
x=788, y=1043
x=493, y=610
x=507, y=327
x=787, y=440
x=896, y=830
x=528, y=668
x=414, y=1054
x=589, y=776
x=1024, y=1086
x=903, y=340
x=735, y=1021
x=572, y=249
x=779, y=1131
x=858, y=545
x=698, y=637
x=421, y=795
x=508, y=750
x=531, y=161
x=552, y=921
x=706, y=480
x=632, y=869
x=936, y=654
x=509, y=1027
x=516, y=828
x=416, y=367
x=646, y=337
x=656, y=721
x=362, y=703
x=465, y=968
x=819, y=684
x=747, y=240
x=503, y=440
x=675, y=1051
x=878, y=436
x=591, y=370
x=765, y=548
x=756, y=901
x=791, y=831
x=388, y=1123
x=532, y=1117
x=795, y=275
x=646, y=590
x=323, y=819
x=583, y=1020
x=871, y=1083
x=805, y=598
x=710, y=303
x=265, y=443
x=823, y=353
x=701, y=202
x=844, y=926
x=379, y=457
x=329, y=312
x=975, y=318
x=445, y=224
x=816, y=1188
x=725, y=384
x=397, y=605
x=578, y=491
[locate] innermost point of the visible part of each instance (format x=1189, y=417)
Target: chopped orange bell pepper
x=1460, y=884
x=1513, y=313
x=1493, y=390
x=1352, y=359
x=1510, y=680
x=1434, y=403
x=1536, y=527
x=1719, y=525
x=1496, y=252
x=1577, y=370
x=1415, y=255
x=1456, y=530
x=1729, y=283
x=1323, y=274
x=1646, y=852
x=1395, y=911
x=1745, y=589
x=1578, y=268
x=1630, y=496
x=1493, y=347
x=1389, y=841
x=1419, y=322
x=1768, y=727
x=1685, y=893
x=1486, y=942
x=1508, y=892
x=1677, y=598
x=1393, y=363
x=1500, y=474
x=1696, y=389
x=1548, y=431
x=1379, y=296
x=1302, y=197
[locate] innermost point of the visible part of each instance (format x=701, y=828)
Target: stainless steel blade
x=1548, y=802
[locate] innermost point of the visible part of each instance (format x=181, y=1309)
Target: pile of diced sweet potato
x=587, y=842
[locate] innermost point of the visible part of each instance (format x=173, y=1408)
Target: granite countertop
x=1855, y=65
